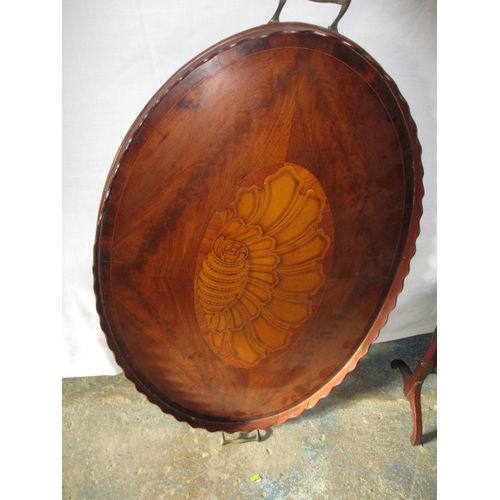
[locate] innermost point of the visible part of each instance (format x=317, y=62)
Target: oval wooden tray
x=256, y=227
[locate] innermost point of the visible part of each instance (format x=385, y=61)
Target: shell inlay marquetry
x=264, y=265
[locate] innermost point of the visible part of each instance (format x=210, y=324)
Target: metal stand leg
x=241, y=438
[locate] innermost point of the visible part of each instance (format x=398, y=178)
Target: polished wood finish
x=256, y=227
x=263, y=264
x=412, y=385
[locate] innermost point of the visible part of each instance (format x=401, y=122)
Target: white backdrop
x=118, y=53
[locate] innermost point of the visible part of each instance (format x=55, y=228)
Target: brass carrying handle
x=334, y=26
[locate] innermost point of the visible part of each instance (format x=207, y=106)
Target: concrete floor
x=355, y=444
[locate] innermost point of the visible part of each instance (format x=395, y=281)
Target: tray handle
x=334, y=26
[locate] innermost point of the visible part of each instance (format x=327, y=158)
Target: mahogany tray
x=256, y=227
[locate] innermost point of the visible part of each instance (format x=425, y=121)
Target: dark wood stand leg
x=413, y=384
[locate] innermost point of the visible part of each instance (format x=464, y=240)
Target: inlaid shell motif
x=255, y=285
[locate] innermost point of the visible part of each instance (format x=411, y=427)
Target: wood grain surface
x=256, y=227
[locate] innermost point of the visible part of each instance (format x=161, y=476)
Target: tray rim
x=397, y=285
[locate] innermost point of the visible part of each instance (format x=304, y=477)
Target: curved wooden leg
x=413, y=385
x=413, y=397
x=412, y=394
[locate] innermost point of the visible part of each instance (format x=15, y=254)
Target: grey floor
x=354, y=444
